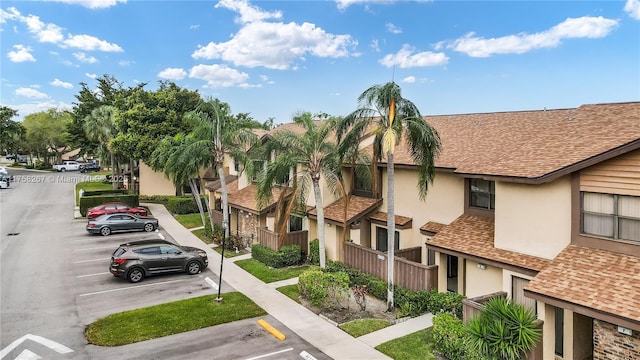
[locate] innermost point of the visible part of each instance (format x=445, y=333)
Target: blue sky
x=274, y=58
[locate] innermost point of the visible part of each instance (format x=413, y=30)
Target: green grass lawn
x=418, y=345
x=91, y=186
x=291, y=291
x=267, y=274
x=361, y=327
x=191, y=221
x=170, y=318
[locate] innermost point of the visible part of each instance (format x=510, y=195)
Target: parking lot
x=98, y=293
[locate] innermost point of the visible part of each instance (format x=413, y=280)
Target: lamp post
x=224, y=235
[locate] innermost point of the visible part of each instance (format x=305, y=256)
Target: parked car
x=89, y=167
x=115, y=208
x=138, y=259
x=4, y=171
x=111, y=223
x=5, y=181
x=10, y=156
x=69, y=165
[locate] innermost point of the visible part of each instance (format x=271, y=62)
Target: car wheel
x=149, y=227
x=105, y=231
x=63, y=169
x=135, y=275
x=193, y=268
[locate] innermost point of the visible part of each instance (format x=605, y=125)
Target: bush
x=157, y=199
x=445, y=302
x=450, y=338
x=324, y=289
x=87, y=202
x=287, y=255
x=314, y=252
x=184, y=204
x=105, y=192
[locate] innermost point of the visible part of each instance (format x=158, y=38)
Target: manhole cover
x=13, y=234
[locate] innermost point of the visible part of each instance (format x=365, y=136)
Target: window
x=283, y=180
x=169, y=250
x=153, y=250
x=559, y=329
x=381, y=239
x=611, y=216
x=431, y=257
x=482, y=194
x=295, y=223
x=362, y=186
x=258, y=168
x=517, y=294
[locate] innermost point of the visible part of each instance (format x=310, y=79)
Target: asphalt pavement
x=325, y=336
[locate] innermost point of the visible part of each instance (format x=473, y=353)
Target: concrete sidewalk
x=326, y=337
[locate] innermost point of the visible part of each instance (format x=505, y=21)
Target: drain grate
x=13, y=234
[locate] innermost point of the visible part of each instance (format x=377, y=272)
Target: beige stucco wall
x=482, y=282
x=154, y=183
x=331, y=238
x=533, y=219
x=406, y=240
x=443, y=204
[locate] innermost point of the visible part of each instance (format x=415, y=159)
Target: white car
x=3, y=171
x=4, y=181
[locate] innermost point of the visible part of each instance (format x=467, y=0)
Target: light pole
x=224, y=235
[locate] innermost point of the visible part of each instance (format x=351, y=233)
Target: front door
x=452, y=273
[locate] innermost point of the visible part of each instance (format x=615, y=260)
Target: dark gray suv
x=137, y=259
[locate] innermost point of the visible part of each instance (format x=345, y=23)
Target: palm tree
x=100, y=126
x=313, y=155
x=395, y=119
x=216, y=134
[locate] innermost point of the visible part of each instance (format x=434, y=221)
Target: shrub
x=287, y=255
x=314, y=252
x=445, y=302
x=504, y=330
x=184, y=204
x=157, y=199
x=323, y=289
x=450, y=338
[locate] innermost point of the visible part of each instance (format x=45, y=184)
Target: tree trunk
x=196, y=198
x=225, y=201
x=114, y=183
x=391, y=228
x=320, y=210
x=132, y=183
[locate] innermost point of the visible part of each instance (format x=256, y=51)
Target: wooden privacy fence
x=269, y=239
x=217, y=217
x=408, y=274
x=412, y=254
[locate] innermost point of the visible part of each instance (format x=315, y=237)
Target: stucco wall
x=533, y=219
x=482, y=282
x=154, y=183
x=444, y=201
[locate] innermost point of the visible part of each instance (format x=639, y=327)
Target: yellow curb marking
x=280, y=336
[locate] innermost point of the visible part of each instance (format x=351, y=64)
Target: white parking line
x=270, y=354
x=92, y=260
x=95, y=248
x=96, y=274
x=128, y=288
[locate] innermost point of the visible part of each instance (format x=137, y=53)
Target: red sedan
x=112, y=208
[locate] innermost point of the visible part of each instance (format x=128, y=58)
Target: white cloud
x=343, y=4
x=31, y=93
x=52, y=33
x=405, y=59
x=89, y=75
x=584, y=27
x=89, y=43
x=92, y=4
x=194, y=27
x=62, y=84
x=172, y=74
x=276, y=45
x=218, y=76
x=248, y=13
x=35, y=107
x=125, y=63
x=266, y=79
x=392, y=28
x=409, y=79
x=82, y=57
x=375, y=45
x=21, y=54
x=633, y=8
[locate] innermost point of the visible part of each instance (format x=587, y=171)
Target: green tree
x=395, y=119
x=12, y=133
x=46, y=133
x=313, y=155
x=504, y=330
x=100, y=127
x=215, y=134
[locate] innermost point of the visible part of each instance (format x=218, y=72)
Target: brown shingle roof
x=382, y=217
x=474, y=236
x=432, y=227
x=358, y=206
x=245, y=199
x=597, y=279
x=215, y=185
x=530, y=144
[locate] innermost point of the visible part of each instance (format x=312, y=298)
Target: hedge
x=185, y=204
x=287, y=255
x=105, y=192
x=450, y=338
